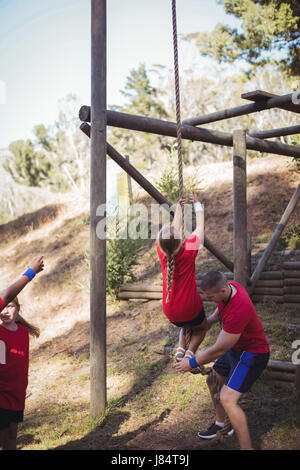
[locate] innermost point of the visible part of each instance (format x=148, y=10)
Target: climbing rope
x=177, y=100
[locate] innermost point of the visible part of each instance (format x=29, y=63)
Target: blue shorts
x=241, y=368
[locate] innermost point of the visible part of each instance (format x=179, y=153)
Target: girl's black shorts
x=10, y=416
x=195, y=322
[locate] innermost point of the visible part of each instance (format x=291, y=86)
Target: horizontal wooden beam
x=265, y=102
x=292, y=130
x=167, y=128
x=153, y=192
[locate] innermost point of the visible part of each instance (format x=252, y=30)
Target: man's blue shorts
x=241, y=368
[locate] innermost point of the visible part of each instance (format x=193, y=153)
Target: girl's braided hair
x=169, y=241
x=32, y=329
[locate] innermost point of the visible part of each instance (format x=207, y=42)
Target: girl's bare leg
x=9, y=436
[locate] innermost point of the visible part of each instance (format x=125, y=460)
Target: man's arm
x=225, y=341
x=8, y=294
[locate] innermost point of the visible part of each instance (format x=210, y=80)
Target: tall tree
x=269, y=32
x=143, y=99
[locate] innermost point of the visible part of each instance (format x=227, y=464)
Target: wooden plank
x=292, y=282
x=269, y=283
x=291, y=298
x=240, y=253
x=268, y=134
x=281, y=376
x=98, y=197
x=292, y=274
x=268, y=291
x=263, y=298
x=142, y=288
x=199, y=134
x=140, y=295
x=259, y=96
x=262, y=100
x=281, y=366
x=291, y=266
x=291, y=290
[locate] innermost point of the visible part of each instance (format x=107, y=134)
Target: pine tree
x=270, y=32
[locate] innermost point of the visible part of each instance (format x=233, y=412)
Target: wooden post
x=240, y=252
x=249, y=255
x=129, y=183
x=98, y=198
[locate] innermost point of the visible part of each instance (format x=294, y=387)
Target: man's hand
x=183, y=366
x=37, y=264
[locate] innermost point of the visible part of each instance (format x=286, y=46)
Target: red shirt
x=185, y=302
x=14, y=358
x=239, y=316
x=1, y=304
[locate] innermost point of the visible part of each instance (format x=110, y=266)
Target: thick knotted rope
x=177, y=100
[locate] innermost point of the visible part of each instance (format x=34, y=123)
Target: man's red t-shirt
x=239, y=316
x=14, y=358
x=185, y=302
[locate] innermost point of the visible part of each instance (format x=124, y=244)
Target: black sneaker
x=211, y=432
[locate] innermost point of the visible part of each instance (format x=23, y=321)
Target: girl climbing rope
x=14, y=352
x=182, y=304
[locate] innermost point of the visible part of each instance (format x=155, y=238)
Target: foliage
x=121, y=257
x=145, y=100
x=168, y=183
x=28, y=165
x=58, y=157
x=269, y=32
x=291, y=236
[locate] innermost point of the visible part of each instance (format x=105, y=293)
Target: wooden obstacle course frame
x=100, y=117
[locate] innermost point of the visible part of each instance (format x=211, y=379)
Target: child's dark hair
x=169, y=241
x=32, y=329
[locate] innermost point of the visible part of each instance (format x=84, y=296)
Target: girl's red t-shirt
x=14, y=360
x=185, y=302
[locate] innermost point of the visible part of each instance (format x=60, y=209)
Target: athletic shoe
x=211, y=432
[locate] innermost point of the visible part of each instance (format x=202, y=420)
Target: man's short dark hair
x=213, y=280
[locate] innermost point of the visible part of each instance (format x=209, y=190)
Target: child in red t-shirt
x=14, y=354
x=182, y=304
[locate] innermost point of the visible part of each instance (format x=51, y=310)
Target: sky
x=45, y=52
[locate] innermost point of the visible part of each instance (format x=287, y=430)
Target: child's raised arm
x=8, y=294
x=177, y=221
x=199, y=211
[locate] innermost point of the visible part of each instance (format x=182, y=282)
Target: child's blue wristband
x=193, y=362
x=30, y=273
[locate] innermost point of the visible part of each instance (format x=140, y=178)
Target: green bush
x=121, y=257
x=169, y=181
